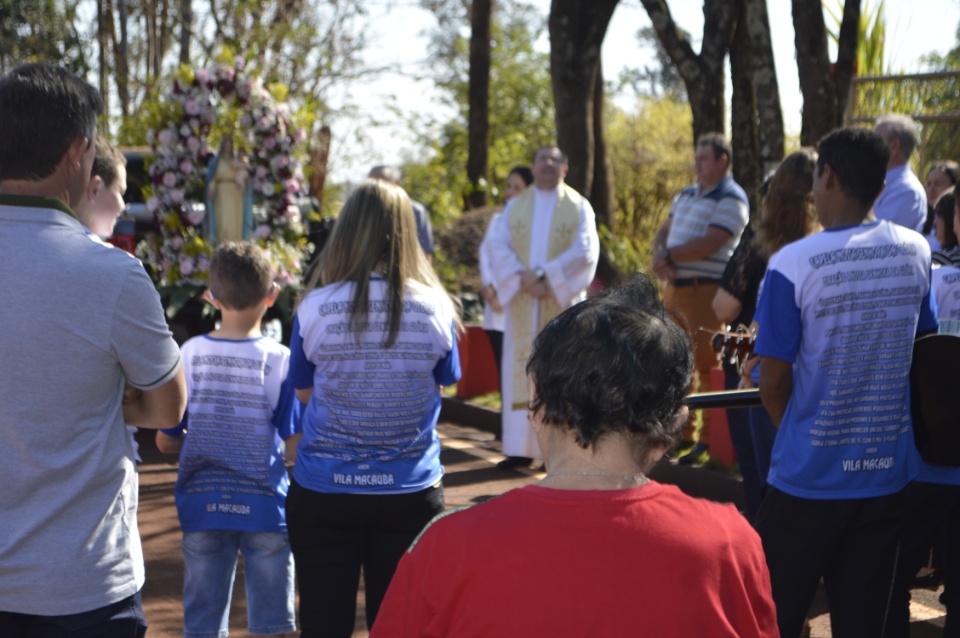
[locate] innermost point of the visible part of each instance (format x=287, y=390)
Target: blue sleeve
x=180, y=428
x=287, y=415
x=779, y=319
x=928, y=312
x=301, y=370
x=447, y=370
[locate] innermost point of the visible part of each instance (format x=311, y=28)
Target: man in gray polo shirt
x=85, y=349
x=692, y=248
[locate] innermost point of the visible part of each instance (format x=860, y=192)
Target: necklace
x=637, y=479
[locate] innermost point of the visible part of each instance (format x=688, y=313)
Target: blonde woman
x=373, y=339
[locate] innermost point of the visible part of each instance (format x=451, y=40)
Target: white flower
x=177, y=241
x=186, y=265
x=262, y=231
x=185, y=131
x=186, y=167
x=261, y=171
x=165, y=137
x=193, y=144
x=191, y=107
x=176, y=196
x=153, y=204
x=169, y=180
x=268, y=189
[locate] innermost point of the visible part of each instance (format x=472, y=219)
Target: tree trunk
x=766, y=88
x=121, y=58
x=824, y=88
x=745, y=133
x=186, y=30
x=319, y=157
x=479, y=118
x=702, y=74
x=102, y=37
x=576, y=35
x=601, y=194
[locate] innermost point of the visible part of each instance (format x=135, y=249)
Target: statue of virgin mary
x=228, y=197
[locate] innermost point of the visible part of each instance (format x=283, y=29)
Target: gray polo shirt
x=78, y=319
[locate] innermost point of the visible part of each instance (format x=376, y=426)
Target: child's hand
x=130, y=394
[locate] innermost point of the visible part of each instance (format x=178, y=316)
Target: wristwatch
x=540, y=272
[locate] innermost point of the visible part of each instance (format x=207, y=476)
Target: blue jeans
x=210, y=563
x=122, y=619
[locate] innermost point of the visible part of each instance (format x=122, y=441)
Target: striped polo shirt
x=725, y=206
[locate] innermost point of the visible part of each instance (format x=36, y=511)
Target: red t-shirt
x=649, y=561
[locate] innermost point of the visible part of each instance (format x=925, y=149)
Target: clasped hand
x=533, y=285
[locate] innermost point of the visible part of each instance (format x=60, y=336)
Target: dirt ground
x=469, y=456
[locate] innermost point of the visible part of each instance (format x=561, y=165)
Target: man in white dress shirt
x=544, y=250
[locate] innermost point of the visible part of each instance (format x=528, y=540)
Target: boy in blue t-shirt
x=838, y=314
x=232, y=482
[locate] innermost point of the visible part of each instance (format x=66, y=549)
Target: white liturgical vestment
x=568, y=275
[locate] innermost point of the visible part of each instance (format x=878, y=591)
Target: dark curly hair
x=614, y=363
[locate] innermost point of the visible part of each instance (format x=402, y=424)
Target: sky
x=398, y=34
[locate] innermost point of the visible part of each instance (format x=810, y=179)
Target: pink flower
x=269, y=142
x=153, y=204
x=202, y=76
x=240, y=63
x=262, y=231
x=291, y=186
x=195, y=214
x=261, y=171
x=169, y=180
x=191, y=107
x=165, y=137
x=176, y=196
x=292, y=214
x=186, y=167
x=186, y=265
x=193, y=144
x=177, y=242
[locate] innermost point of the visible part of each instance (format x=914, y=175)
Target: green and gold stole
x=563, y=229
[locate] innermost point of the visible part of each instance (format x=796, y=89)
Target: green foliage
x=652, y=157
x=521, y=111
x=871, y=36
x=37, y=30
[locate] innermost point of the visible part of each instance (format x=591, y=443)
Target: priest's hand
x=539, y=290
x=528, y=279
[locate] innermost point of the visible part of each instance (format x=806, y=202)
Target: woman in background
x=373, y=340
x=786, y=215
x=940, y=179
x=949, y=253
x=493, y=318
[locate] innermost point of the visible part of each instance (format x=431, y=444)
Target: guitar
x=735, y=344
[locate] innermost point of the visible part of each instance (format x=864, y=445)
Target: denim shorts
x=210, y=563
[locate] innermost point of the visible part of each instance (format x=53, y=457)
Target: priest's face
x=549, y=168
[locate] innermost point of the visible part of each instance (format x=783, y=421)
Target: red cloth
x=649, y=561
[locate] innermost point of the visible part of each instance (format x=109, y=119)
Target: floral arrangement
x=178, y=253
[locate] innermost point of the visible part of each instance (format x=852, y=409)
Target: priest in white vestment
x=544, y=249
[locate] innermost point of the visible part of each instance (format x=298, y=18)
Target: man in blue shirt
x=903, y=200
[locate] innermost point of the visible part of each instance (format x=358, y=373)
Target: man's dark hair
x=858, y=157
x=43, y=109
x=613, y=363
x=563, y=156
x=240, y=275
x=719, y=143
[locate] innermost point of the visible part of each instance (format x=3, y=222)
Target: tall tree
x=702, y=73
x=577, y=30
x=825, y=87
x=479, y=110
